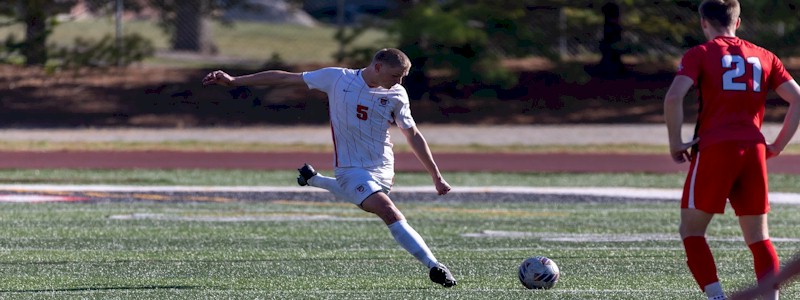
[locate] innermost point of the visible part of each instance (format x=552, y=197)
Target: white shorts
x=359, y=183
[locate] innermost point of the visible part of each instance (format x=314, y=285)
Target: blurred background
x=138, y=63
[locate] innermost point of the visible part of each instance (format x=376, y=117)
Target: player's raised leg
x=309, y=176
x=380, y=204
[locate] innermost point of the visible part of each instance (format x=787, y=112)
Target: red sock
x=700, y=261
x=765, y=258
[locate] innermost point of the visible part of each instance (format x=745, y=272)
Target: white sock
x=328, y=183
x=412, y=242
x=714, y=291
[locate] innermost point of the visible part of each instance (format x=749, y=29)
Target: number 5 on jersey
x=361, y=112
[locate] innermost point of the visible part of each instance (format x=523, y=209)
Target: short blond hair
x=392, y=57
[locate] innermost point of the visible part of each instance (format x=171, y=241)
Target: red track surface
x=448, y=162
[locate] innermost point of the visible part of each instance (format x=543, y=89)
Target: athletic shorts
x=734, y=171
x=359, y=183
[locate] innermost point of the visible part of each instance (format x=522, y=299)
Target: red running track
x=448, y=162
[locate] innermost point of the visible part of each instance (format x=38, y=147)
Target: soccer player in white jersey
x=364, y=103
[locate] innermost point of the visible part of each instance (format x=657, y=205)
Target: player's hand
x=218, y=77
x=773, y=151
x=442, y=187
x=680, y=153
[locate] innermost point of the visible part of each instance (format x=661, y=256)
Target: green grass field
x=178, y=250
x=159, y=246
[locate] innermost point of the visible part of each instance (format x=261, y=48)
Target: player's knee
x=390, y=214
x=686, y=231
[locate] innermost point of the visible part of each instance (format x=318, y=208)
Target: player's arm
x=423, y=153
x=271, y=77
x=673, y=115
x=790, y=92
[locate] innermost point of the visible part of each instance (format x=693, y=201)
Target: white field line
x=601, y=237
x=619, y=192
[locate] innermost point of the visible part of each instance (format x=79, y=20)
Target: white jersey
x=361, y=116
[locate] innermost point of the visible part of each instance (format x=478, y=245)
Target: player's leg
x=750, y=201
x=705, y=194
x=765, y=258
x=309, y=176
x=756, y=235
x=381, y=205
x=699, y=258
x=368, y=189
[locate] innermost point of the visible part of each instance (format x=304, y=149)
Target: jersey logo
x=384, y=101
x=360, y=188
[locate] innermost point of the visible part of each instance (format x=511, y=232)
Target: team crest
x=360, y=188
x=384, y=101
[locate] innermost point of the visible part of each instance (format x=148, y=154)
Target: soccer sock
x=328, y=183
x=701, y=261
x=765, y=258
x=410, y=240
x=766, y=262
x=714, y=291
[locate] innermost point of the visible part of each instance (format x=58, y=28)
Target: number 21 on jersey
x=738, y=63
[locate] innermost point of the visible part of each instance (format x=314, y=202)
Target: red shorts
x=735, y=171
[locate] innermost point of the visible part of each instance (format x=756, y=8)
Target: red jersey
x=732, y=77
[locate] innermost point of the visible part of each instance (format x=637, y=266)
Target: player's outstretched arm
x=673, y=115
x=271, y=77
x=423, y=153
x=790, y=92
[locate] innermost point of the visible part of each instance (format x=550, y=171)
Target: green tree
x=37, y=17
x=466, y=38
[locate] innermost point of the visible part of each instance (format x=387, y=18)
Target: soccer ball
x=538, y=272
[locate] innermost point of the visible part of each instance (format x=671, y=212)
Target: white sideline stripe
x=601, y=238
x=37, y=198
x=619, y=192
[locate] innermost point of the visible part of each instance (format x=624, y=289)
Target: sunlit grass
x=194, y=250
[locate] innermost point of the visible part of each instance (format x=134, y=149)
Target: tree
x=466, y=38
x=37, y=17
x=611, y=48
x=187, y=21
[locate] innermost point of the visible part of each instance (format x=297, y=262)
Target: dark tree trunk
x=35, y=50
x=611, y=47
x=191, y=28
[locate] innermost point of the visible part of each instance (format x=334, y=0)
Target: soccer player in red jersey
x=728, y=153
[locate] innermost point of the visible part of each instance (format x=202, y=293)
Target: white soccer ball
x=538, y=272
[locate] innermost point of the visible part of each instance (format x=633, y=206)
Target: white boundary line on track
x=632, y=193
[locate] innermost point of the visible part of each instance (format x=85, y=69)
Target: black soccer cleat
x=441, y=275
x=306, y=172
